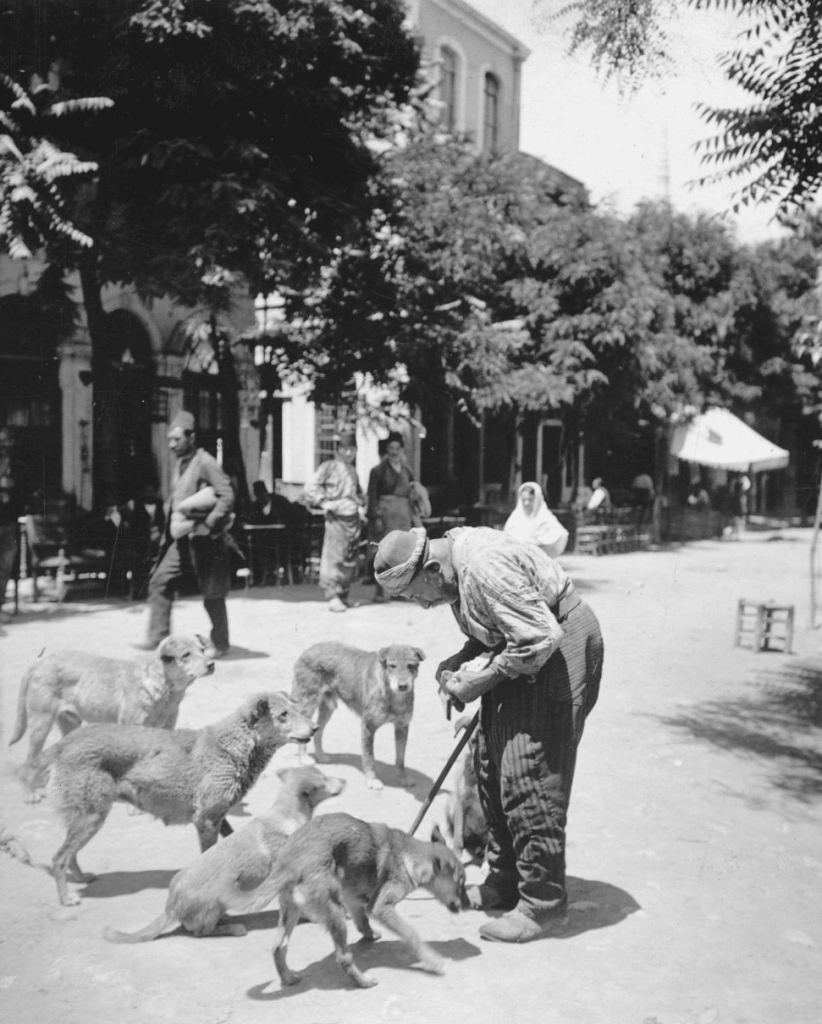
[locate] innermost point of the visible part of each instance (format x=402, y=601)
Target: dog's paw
x=366, y=981
x=71, y=899
x=405, y=780
x=433, y=964
x=373, y=782
x=290, y=977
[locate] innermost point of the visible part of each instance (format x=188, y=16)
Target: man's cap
x=184, y=420
x=400, y=557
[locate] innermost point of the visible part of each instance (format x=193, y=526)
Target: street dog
x=235, y=874
x=179, y=776
x=464, y=815
x=376, y=686
x=71, y=687
x=337, y=863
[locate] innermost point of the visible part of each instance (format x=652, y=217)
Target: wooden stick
x=449, y=764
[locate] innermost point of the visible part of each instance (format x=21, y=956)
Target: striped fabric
x=525, y=760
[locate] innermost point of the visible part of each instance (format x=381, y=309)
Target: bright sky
x=617, y=146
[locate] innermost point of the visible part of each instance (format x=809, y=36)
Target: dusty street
x=695, y=847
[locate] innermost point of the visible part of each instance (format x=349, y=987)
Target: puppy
x=182, y=776
x=337, y=863
x=464, y=815
x=379, y=687
x=235, y=875
x=71, y=687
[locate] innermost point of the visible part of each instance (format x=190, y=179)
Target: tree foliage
x=237, y=149
x=36, y=176
x=773, y=146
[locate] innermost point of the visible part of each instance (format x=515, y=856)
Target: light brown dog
x=178, y=776
x=235, y=875
x=377, y=686
x=71, y=687
x=337, y=862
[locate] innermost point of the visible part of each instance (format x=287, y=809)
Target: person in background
x=389, y=496
x=10, y=510
x=533, y=522
x=600, y=500
x=543, y=652
x=642, y=488
x=335, y=489
x=201, y=547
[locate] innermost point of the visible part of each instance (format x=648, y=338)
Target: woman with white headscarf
x=533, y=522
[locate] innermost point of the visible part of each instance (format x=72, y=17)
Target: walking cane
x=449, y=764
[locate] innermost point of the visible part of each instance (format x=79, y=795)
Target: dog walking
x=511, y=600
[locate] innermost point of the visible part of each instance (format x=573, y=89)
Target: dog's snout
x=210, y=666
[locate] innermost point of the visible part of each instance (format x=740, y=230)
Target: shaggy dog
x=177, y=776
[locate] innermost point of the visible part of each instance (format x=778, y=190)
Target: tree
x=239, y=149
x=775, y=144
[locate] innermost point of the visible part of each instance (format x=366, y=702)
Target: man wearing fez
x=537, y=682
x=198, y=512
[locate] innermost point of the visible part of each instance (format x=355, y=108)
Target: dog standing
x=178, y=776
x=376, y=686
x=337, y=863
x=235, y=874
x=71, y=687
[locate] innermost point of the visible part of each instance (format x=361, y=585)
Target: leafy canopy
x=773, y=146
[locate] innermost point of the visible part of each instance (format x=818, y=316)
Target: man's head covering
x=183, y=421
x=400, y=557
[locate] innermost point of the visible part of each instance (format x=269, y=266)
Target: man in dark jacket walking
x=192, y=545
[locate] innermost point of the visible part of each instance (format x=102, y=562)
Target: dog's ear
x=167, y=649
x=437, y=836
x=382, y=655
x=202, y=640
x=261, y=709
x=282, y=774
x=420, y=654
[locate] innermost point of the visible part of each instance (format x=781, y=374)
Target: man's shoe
x=213, y=653
x=336, y=604
x=518, y=927
x=492, y=896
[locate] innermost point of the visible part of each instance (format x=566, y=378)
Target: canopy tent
x=718, y=438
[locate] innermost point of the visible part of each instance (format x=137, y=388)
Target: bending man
x=545, y=650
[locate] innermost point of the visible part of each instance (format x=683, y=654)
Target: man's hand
x=449, y=665
x=464, y=686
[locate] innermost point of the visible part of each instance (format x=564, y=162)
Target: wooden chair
x=52, y=551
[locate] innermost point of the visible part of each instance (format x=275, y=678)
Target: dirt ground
x=695, y=848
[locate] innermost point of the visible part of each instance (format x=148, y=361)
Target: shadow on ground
x=125, y=883
x=326, y=974
x=419, y=783
x=781, y=722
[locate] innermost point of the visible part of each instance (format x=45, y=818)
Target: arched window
x=490, y=123
x=449, y=69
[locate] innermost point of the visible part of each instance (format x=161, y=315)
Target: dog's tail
x=151, y=931
x=22, y=722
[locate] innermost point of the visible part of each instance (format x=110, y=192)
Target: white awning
x=720, y=439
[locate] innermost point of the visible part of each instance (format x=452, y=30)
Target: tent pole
x=814, y=539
